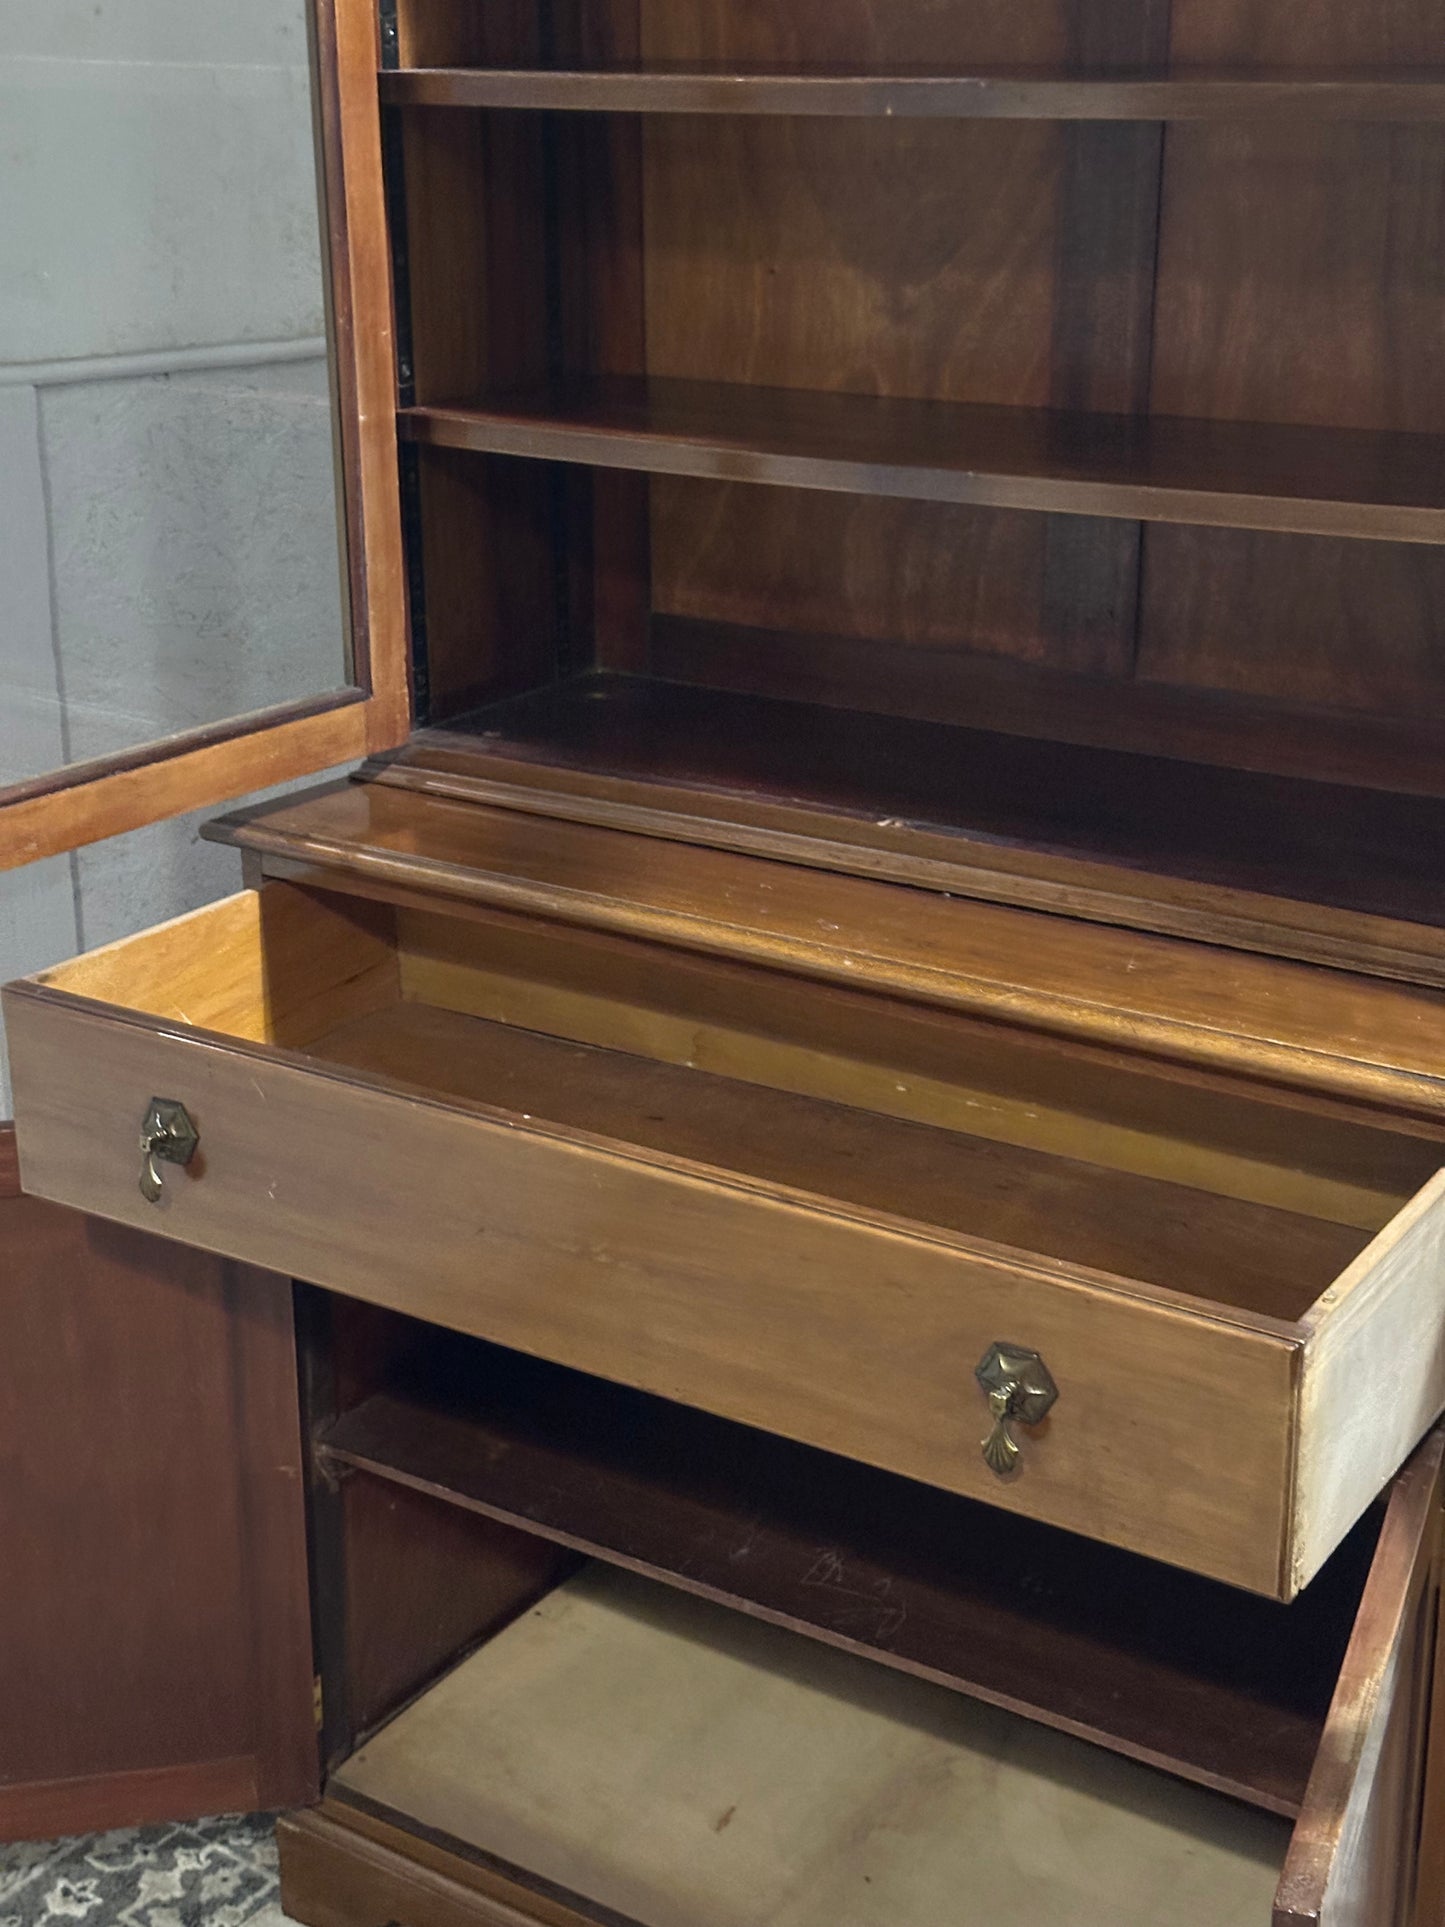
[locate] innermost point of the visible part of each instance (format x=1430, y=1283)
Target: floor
x=206, y=1873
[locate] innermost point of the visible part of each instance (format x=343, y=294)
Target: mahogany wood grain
x=1269, y=38
x=435, y=33
x=155, y=1647
x=92, y=802
x=9, y=1163
x=1320, y=871
x=1005, y=94
x=1101, y=339
x=143, y=1797
x=423, y=1584
x=1301, y=623
x=811, y=564
x=601, y=325
x=112, y=795
x=920, y=676
x=343, y=1865
x=346, y=55
x=477, y=295
x=401, y=1585
x=977, y=298
x=1306, y=480
x=1205, y=1681
x=1352, y=1858
x=1296, y=285
x=1430, y=1856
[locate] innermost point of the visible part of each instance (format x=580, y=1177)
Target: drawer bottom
x=682, y=1766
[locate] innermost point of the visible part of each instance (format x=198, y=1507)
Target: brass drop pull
x=166, y=1137
x=1020, y=1390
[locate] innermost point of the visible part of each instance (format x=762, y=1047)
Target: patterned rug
x=207, y=1873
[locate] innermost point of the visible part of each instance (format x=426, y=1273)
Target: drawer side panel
x=1373, y=1376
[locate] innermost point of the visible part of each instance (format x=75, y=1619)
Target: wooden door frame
x=261, y=1643
x=105, y=797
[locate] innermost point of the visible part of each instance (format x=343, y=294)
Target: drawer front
x=845, y=1331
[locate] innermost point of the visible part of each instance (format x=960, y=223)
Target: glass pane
x=169, y=549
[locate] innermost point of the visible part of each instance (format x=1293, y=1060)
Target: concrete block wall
x=168, y=536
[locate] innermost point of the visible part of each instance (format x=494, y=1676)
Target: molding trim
x=52, y=1809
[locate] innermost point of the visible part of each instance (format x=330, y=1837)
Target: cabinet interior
x=513, y=1474
x=675, y=1764
x=1119, y=439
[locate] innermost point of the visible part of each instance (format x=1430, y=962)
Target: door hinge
x=317, y=1702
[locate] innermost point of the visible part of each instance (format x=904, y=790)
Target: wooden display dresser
x=856, y=1090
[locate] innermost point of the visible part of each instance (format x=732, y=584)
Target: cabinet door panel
x=188, y=642
x=155, y=1649
x=1356, y=1848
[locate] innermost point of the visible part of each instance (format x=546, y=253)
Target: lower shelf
x=1325, y=871
x=685, y=1767
x=1213, y=1684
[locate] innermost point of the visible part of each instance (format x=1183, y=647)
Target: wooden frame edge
x=359, y=298
x=334, y=1853
x=233, y=758
x=1403, y=1565
x=1369, y=1336
x=144, y=1796
x=130, y=798
x=9, y=1163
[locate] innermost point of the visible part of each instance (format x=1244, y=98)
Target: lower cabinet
x=699, y=1677
x=155, y=1628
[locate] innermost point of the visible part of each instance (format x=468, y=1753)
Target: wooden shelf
x=976, y=690
x=1002, y=93
x=1215, y=1685
x=1246, y=475
x=1336, y=874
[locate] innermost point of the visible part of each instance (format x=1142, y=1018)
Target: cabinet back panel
x=807, y=275
x=1301, y=272
x=928, y=574
x=879, y=257
x=1319, y=33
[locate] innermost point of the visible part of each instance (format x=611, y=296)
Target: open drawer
x=622, y=1752
x=505, y=1128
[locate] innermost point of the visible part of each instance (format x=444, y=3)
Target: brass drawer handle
x=167, y=1136
x=1020, y=1389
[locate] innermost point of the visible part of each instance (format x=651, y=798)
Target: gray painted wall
x=168, y=537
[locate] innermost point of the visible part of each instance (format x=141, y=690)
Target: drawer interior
x=686, y=1767
x=1008, y=1138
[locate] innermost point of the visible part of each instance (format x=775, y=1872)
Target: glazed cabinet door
x=200, y=549
x=155, y=1645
